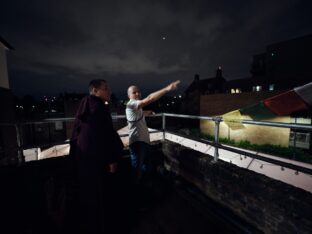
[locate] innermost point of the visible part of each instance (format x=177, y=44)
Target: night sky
x=61, y=45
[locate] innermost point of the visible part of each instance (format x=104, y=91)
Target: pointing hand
x=173, y=85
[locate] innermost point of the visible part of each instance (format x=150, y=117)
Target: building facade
x=8, y=143
x=283, y=66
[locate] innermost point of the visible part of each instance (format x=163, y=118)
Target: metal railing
x=215, y=143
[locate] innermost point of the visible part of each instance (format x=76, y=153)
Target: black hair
x=96, y=84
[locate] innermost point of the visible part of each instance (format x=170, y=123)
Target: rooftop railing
x=215, y=143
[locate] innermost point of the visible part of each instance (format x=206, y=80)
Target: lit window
x=271, y=87
x=237, y=90
x=258, y=88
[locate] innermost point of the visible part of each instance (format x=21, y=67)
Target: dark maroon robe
x=94, y=145
x=94, y=136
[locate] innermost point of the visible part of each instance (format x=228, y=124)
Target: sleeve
x=117, y=147
x=110, y=146
x=133, y=104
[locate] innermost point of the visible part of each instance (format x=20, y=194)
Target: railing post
x=217, y=121
x=164, y=125
x=20, y=157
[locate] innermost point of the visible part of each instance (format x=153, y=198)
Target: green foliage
x=277, y=150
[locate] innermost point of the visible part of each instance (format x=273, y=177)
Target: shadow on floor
x=39, y=197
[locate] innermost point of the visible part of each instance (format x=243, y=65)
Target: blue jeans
x=140, y=159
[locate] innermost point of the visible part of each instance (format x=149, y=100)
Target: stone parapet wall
x=269, y=205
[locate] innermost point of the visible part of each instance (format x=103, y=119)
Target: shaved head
x=134, y=92
x=131, y=88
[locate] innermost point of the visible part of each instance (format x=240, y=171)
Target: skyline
x=60, y=47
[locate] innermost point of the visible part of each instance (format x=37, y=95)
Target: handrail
x=263, y=123
x=67, y=119
x=246, y=153
x=254, y=122
x=280, y=125
x=189, y=116
x=215, y=143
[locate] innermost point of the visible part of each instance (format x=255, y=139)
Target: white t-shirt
x=138, y=130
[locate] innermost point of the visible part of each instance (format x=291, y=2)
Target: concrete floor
x=38, y=198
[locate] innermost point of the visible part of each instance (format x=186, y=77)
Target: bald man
x=138, y=132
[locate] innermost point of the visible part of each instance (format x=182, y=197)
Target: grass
x=277, y=150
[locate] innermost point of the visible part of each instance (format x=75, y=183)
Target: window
x=271, y=87
x=256, y=88
x=237, y=90
x=299, y=139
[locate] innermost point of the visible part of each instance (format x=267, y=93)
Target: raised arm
x=158, y=94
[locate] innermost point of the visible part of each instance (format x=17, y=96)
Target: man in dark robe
x=96, y=148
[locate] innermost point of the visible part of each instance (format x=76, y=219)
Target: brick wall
x=219, y=104
x=269, y=205
x=254, y=134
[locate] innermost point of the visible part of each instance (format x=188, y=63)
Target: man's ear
x=94, y=90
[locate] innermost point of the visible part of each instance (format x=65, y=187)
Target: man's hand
x=112, y=168
x=173, y=86
x=158, y=94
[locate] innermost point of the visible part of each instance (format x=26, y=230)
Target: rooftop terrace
x=201, y=186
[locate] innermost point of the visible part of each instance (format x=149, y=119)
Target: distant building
x=282, y=67
x=7, y=133
x=4, y=80
x=285, y=64
x=200, y=87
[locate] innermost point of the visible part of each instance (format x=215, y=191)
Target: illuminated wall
x=253, y=133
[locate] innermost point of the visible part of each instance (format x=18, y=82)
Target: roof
x=247, y=83
x=219, y=104
x=204, y=84
x=297, y=40
x=6, y=44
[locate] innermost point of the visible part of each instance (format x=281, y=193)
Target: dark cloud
x=61, y=45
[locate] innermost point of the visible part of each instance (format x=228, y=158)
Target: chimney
x=219, y=72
